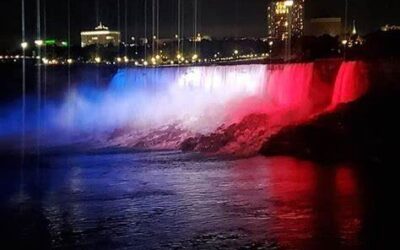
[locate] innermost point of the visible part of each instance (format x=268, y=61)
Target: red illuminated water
x=351, y=83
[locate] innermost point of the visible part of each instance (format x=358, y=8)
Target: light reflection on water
x=172, y=200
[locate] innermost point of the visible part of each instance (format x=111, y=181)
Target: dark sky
x=218, y=18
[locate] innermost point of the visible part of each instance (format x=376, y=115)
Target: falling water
x=351, y=83
x=199, y=99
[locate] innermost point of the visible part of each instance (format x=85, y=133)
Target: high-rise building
x=285, y=19
x=101, y=35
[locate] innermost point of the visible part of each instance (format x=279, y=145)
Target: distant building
x=285, y=18
x=101, y=35
x=324, y=26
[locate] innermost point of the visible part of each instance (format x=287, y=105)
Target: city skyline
x=223, y=19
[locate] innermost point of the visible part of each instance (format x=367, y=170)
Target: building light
x=39, y=43
x=195, y=57
x=236, y=52
x=45, y=60
x=69, y=61
x=119, y=59
x=289, y=3
x=24, y=45
x=97, y=59
x=145, y=63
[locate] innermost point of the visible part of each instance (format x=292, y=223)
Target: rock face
x=162, y=138
x=241, y=139
x=363, y=130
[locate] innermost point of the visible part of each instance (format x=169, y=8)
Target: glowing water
x=199, y=99
x=351, y=83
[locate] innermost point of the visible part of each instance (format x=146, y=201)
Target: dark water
x=169, y=200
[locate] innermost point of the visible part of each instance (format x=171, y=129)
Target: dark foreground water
x=169, y=200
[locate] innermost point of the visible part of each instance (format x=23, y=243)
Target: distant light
x=271, y=43
x=158, y=57
x=126, y=59
x=70, y=61
x=179, y=56
x=145, y=63
x=97, y=59
x=289, y=3
x=344, y=42
x=24, y=45
x=154, y=37
x=39, y=43
x=176, y=36
x=195, y=57
x=136, y=63
x=236, y=52
x=119, y=59
x=171, y=62
x=45, y=60
x=153, y=60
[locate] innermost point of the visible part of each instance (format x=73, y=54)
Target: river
x=171, y=200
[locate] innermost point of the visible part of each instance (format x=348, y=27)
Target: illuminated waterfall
x=200, y=99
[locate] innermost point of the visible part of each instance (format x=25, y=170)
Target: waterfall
x=351, y=83
x=199, y=99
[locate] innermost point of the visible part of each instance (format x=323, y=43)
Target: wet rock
x=243, y=138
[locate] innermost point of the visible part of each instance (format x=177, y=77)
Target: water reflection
x=302, y=205
x=171, y=200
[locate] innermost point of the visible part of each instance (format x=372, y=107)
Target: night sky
x=218, y=18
